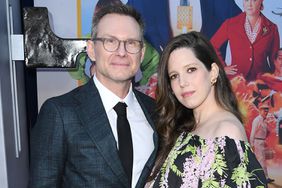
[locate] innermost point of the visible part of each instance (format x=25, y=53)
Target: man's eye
x=132, y=43
x=110, y=40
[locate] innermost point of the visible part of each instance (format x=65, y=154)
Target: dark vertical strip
x=30, y=83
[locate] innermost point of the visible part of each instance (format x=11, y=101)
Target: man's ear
x=90, y=50
x=214, y=72
x=143, y=51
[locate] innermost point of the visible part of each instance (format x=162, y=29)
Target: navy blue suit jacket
x=72, y=144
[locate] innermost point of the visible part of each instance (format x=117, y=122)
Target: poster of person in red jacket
x=254, y=66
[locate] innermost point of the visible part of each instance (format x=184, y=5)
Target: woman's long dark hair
x=174, y=118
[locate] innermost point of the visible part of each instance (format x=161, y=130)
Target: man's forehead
x=121, y=29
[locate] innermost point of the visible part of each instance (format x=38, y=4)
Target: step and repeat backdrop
x=252, y=57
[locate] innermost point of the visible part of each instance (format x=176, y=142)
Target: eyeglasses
x=112, y=44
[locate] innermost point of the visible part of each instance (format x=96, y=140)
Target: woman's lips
x=187, y=93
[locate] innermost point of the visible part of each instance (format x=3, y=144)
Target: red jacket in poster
x=250, y=59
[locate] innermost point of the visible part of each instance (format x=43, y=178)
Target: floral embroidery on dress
x=197, y=162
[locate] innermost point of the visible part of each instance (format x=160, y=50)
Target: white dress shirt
x=141, y=130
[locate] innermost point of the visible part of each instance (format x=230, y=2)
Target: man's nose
x=121, y=48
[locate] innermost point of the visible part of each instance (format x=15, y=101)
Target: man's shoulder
x=268, y=22
x=238, y=19
x=144, y=97
x=71, y=97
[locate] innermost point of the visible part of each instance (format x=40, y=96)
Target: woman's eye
x=172, y=77
x=191, y=69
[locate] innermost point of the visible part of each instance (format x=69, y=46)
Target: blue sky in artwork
x=87, y=8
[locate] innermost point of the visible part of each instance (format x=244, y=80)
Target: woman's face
x=189, y=79
x=252, y=7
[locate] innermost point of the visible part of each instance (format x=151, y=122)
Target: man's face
x=263, y=112
x=118, y=66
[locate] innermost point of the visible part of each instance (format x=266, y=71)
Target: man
x=75, y=142
x=259, y=134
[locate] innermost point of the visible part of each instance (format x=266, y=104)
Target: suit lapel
x=148, y=110
x=94, y=119
x=265, y=29
x=241, y=26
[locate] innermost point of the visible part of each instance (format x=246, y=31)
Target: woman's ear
x=214, y=73
x=90, y=50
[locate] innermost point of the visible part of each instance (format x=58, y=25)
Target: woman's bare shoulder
x=229, y=125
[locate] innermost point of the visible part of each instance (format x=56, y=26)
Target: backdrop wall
x=164, y=19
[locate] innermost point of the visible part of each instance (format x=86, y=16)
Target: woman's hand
x=231, y=70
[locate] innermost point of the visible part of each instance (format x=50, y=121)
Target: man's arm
x=47, y=148
x=253, y=131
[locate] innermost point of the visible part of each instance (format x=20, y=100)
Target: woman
x=202, y=139
x=253, y=41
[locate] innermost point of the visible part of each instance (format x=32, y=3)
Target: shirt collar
x=110, y=99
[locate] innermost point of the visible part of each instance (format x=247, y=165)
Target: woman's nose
x=183, y=82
